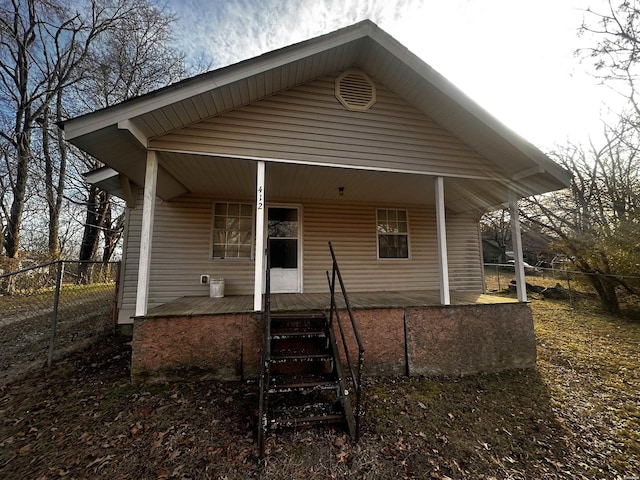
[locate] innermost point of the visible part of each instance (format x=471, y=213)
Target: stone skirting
x=435, y=340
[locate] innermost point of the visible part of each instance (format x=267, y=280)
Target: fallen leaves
x=136, y=428
x=100, y=462
x=172, y=455
x=570, y=415
x=484, y=445
x=25, y=449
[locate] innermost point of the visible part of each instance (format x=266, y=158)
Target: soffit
x=289, y=182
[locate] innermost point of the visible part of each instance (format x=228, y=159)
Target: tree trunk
x=606, y=290
x=54, y=187
x=111, y=231
x=96, y=205
x=19, y=189
x=21, y=140
x=53, y=245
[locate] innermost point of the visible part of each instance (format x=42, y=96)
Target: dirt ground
x=576, y=416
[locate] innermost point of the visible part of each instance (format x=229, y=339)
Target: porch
x=403, y=333
x=291, y=302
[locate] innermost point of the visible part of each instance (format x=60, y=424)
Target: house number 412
x=260, y=199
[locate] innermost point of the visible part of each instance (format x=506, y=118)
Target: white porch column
x=443, y=263
x=521, y=287
x=260, y=243
x=148, y=208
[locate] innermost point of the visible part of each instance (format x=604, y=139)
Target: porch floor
x=283, y=302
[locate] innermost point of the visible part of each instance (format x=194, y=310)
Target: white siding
x=465, y=253
x=182, y=243
x=308, y=124
x=352, y=231
x=181, y=252
x=131, y=258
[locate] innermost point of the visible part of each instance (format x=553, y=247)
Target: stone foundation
x=436, y=340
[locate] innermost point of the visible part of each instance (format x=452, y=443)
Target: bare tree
x=136, y=57
x=58, y=59
x=43, y=46
x=596, y=220
x=131, y=60
x=495, y=228
x=601, y=229
x=616, y=53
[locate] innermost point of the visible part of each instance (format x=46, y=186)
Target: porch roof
x=119, y=135
x=291, y=302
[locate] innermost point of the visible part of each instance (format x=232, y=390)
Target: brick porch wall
x=221, y=347
x=435, y=340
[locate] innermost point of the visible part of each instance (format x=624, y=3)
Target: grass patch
x=43, y=297
x=590, y=361
x=84, y=312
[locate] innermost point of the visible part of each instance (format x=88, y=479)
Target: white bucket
x=216, y=288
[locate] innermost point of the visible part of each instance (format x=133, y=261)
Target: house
x=493, y=252
x=537, y=247
x=346, y=138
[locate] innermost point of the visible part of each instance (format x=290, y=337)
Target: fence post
x=498, y=275
x=566, y=271
x=54, y=316
x=116, y=293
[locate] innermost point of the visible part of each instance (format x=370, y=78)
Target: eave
x=119, y=135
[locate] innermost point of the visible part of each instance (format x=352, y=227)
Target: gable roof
x=126, y=128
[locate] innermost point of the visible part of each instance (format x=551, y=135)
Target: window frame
x=406, y=234
x=252, y=235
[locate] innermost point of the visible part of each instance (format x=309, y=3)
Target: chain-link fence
x=555, y=283
x=50, y=309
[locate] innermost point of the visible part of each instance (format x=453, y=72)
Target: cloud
x=514, y=58
x=225, y=32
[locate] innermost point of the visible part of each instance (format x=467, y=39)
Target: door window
x=283, y=237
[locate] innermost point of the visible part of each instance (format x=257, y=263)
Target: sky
x=516, y=58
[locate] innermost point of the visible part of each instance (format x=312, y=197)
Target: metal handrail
x=355, y=376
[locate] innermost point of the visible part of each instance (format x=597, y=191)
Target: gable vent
x=355, y=90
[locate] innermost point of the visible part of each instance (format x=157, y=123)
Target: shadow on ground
x=83, y=419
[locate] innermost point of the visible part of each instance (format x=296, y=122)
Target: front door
x=284, y=245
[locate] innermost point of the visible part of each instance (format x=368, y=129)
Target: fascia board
x=100, y=175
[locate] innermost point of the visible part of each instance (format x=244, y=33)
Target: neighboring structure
x=348, y=138
x=536, y=249
x=493, y=252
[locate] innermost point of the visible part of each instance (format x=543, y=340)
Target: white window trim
x=253, y=234
x=408, y=234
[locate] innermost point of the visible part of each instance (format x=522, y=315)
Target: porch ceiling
x=236, y=178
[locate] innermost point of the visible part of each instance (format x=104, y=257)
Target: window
x=232, y=230
x=283, y=237
x=393, y=234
